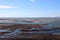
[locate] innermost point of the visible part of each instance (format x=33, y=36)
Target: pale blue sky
x=29, y=8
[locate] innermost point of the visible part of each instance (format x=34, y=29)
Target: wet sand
x=21, y=35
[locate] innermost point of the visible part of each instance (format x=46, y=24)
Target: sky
x=29, y=8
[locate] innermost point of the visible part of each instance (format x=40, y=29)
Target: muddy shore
x=13, y=27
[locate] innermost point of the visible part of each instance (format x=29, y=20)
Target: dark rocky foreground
x=24, y=35
x=36, y=37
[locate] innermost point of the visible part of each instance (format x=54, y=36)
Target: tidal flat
x=28, y=31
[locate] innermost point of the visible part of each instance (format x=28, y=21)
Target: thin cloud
x=6, y=7
x=33, y=0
